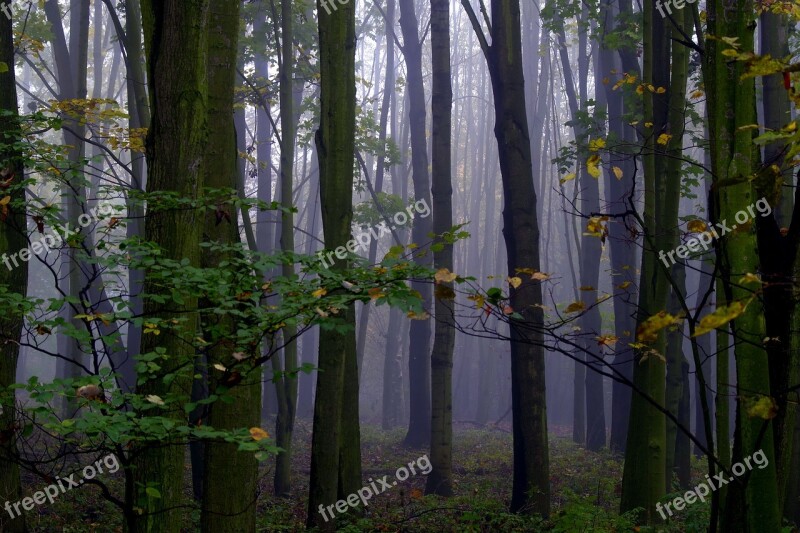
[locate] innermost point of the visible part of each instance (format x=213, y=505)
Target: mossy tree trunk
x=230, y=477
x=175, y=41
x=731, y=104
x=335, y=449
x=12, y=239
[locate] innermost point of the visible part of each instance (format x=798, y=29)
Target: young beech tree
x=531, y=487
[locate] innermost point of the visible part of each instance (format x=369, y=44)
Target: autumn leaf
x=696, y=226
x=664, y=138
x=648, y=330
x=375, y=293
x=152, y=398
x=319, y=293
x=416, y=494
x=593, y=165
x=258, y=434
x=624, y=285
x=596, y=144
x=443, y=292
x=750, y=278
x=444, y=275
x=765, y=407
x=617, y=172
x=586, y=288
x=568, y=177
x=220, y=367
x=418, y=316
x=574, y=307
x=478, y=299
x=508, y=310
x=607, y=340
x=515, y=282
x=540, y=276
x=720, y=317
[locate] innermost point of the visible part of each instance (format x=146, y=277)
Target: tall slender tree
x=419, y=375
x=531, y=486
x=12, y=238
x=440, y=479
x=335, y=450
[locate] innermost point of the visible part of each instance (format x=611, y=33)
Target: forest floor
x=585, y=492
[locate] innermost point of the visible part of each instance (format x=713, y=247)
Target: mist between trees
x=549, y=248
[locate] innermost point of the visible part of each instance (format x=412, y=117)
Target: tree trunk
x=440, y=480
x=531, y=486
x=333, y=438
x=13, y=232
x=175, y=37
x=229, y=491
x=419, y=423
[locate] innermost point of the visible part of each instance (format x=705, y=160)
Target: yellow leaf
x=607, y=340
x=418, y=316
x=617, y=172
x=647, y=331
x=765, y=407
x=697, y=94
x=664, y=138
x=696, y=226
x=443, y=275
x=540, y=276
x=661, y=90
x=730, y=52
x=750, y=278
x=152, y=398
x=596, y=144
x=568, y=177
x=515, y=282
x=258, y=434
x=319, y=293
x=575, y=307
x=593, y=165
x=624, y=285
x=478, y=299
x=720, y=317
x=220, y=367
x=648, y=124
x=640, y=89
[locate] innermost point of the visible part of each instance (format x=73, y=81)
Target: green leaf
x=153, y=493
x=3, y=67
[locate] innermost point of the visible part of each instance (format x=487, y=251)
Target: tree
x=335, y=447
x=420, y=332
x=13, y=231
x=531, y=486
x=175, y=44
x=440, y=479
x=230, y=476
